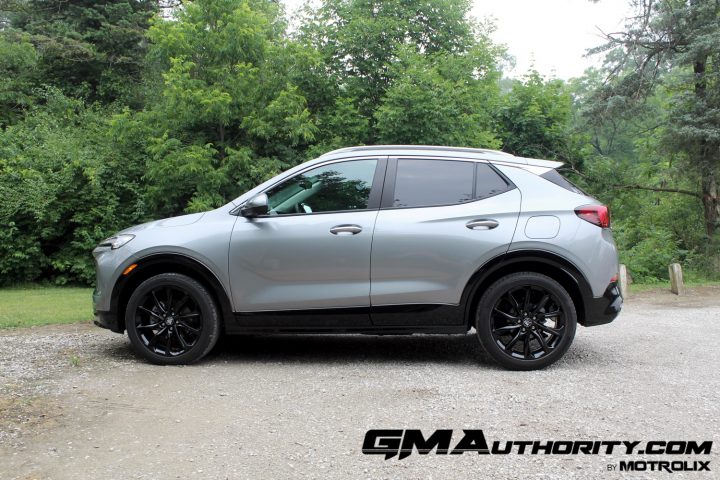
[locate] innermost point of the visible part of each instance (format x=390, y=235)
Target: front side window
x=422, y=183
x=330, y=188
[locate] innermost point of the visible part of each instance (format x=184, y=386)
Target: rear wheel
x=172, y=319
x=526, y=321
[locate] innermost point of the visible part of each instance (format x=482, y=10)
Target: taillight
x=596, y=214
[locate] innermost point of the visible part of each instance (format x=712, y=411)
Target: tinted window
x=555, y=177
x=488, y=182
x=433, y=182
x=330, y=188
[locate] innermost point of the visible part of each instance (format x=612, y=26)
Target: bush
x=66, y=182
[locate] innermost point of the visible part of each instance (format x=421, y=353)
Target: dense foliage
x=114, y=112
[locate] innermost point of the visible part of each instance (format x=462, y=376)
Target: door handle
x=346, y=229
x=481, y=224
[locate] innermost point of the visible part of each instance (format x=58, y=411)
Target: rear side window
x=555, y=177
x=422, y=183
x=488, y=182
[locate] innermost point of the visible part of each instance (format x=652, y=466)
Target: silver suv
x=374, y=240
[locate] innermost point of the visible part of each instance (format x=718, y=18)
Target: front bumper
x=104, y=319
x=107, y=320
x=602, y=310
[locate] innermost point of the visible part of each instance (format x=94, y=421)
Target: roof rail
x=417, y=147
x=495, y=156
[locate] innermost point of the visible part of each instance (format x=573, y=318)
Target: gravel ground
x=75, y=403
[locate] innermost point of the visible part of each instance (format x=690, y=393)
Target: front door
x=312, y=251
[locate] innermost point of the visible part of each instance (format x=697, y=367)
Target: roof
x=493, y=156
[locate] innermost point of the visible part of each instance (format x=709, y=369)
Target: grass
x=39, y=305
x=27, y=306
x=646, y=287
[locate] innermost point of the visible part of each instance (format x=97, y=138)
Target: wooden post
x=623, y=277
x=676, y=279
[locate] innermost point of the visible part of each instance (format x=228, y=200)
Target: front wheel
x=526, y=321
x=171, y=319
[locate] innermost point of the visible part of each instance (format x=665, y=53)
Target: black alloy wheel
x=172, y=319
x=171, y=326
x=526, y=321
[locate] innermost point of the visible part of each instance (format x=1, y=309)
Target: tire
x=172, y=319
x=526, y=321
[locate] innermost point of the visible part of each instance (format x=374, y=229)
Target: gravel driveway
x=75, y=403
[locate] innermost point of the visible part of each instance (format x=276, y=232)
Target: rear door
x=439, y=221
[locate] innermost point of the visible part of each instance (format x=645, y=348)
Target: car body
x=380, y=240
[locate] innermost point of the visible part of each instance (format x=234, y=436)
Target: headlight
x=116, y=241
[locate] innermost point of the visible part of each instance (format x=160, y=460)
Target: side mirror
x=256, y=206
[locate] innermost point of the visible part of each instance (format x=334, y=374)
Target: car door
x=312, y=250
x=440, y=220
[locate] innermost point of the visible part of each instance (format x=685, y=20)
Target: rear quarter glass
x=555, y=177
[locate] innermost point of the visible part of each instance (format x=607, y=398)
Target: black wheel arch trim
x=542, y=261
x=590, y=310
x=158, y=263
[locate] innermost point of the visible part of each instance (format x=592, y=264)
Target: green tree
x=439, y=99
x=627, y=163
x=227, y=114
x=535, y=119
x=93, y=49
x=363, y=41
x=681, y=37
x=18, y=76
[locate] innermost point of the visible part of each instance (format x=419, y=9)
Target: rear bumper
x=107, y=320
x=602, y=310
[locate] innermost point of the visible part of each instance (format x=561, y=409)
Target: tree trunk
x=711, y=203
x=708, y=162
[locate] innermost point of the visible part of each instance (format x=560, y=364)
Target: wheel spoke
x=188, y=327
x=181, y=339
x=541, y=303
x=150, y=326
x=168, y=297
x=150, y=312
x=157, y=302
x=188, y=315
x=506, y=315
x=526, y=305
x=552, y=331
x=167, y=343
x=514, y=302
x=540, y=338
x=526, y=346
x=508, y=328
x=153, y=341
x=512, y=342
x=181, y=303
x=554, y=314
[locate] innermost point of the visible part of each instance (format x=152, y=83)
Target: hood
x=180, y=221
